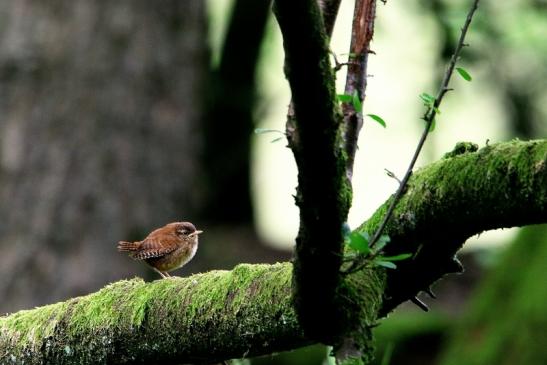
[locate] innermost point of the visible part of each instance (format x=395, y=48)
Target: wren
x=165, y=249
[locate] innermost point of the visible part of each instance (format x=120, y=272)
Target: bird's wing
x=152, y=247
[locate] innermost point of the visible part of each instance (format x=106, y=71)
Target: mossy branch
x=248, y=311
x=198, y=319
x=467, y=192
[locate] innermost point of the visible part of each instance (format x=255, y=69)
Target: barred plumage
x=166, y=248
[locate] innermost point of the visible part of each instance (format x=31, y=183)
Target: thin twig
x=356, y=79
x=429, y=117
x=393, y=176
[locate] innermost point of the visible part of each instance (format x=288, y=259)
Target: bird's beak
x=195, y=233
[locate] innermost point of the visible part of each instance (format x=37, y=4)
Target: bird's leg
x=159, y=272
x=169, y=276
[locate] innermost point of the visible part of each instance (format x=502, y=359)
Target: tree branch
x=429, y=119
x=356, y=79
x=248, y=311
x=323, y=193
x=330, y=12
x=202, y=318
x=499, y=186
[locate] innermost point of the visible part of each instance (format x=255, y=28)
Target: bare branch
x=429, y=117
x=356, y=79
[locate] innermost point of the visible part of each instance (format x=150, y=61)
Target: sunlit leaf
x=356, y=102
x=344, y=98
x=427, y=99
x=464, y=74
x=378, y=119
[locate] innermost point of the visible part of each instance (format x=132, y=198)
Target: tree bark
x=229, y=120
x=249, y=311
x=99, y=138
x=324, y=192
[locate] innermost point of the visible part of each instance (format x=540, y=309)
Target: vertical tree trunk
x=232, y=95
x=99, y=102
x=229, y=120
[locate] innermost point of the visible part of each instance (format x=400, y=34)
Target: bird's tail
x=124, y=246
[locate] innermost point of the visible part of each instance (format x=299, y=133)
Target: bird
x=165, y=249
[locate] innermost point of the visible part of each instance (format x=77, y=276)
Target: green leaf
x=358, y=242
x=353, y=99
x=266, y=130
x=387, y=264
x=464, y=74
x=344, y=98
x=381, y=243
x=378, y=119
x=400, y=257
x=428, y=100
x=356, y=102
x=437, y=110
x=432, y=126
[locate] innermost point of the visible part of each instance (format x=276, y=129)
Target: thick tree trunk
x=99, y=104
x=230, y=119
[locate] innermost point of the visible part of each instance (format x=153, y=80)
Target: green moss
x=508, y=179
x=461, y=148
x=371, y=224
x=29, y=327
x=157, y=317
x=363, y=293
x=352, y=361
x=229, y=311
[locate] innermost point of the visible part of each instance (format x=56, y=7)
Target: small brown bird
x=165, y=249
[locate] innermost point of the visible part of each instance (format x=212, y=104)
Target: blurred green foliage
x=507, y=320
